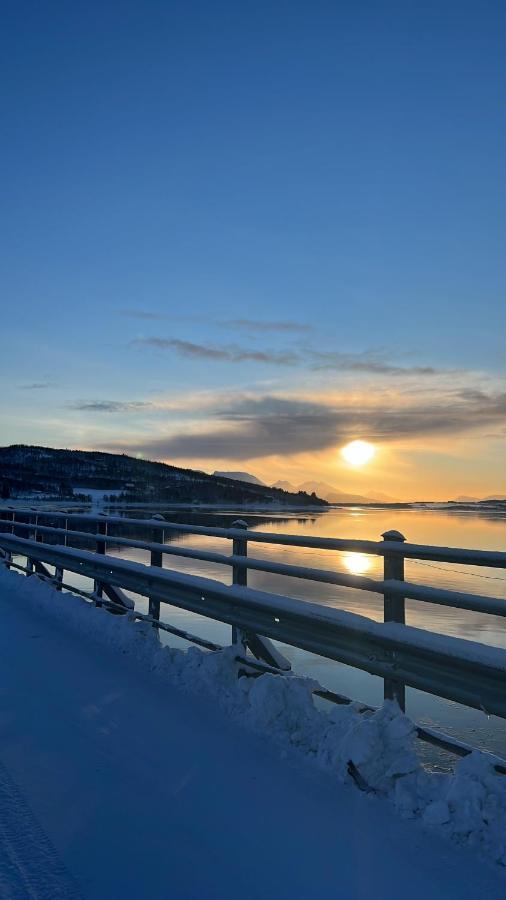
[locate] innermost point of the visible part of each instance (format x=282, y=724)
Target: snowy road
x=113, y=785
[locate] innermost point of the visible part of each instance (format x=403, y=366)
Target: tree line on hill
x=68, y=474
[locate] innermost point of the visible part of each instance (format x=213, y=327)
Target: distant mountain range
x=321, y=488
x=464, y=499
x=327, y=491
x=335, y=495
x=28, y=471
x=66, y=474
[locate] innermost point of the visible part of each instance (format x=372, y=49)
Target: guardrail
x=452, y=668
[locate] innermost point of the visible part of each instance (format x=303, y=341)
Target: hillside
x=67, y=473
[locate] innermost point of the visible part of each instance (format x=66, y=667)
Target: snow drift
x=468, y=806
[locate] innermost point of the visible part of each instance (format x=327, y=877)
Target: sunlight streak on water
x=357, y=563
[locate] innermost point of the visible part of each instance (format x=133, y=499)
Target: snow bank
x=468, y=806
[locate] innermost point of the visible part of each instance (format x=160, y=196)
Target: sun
x=358, y=453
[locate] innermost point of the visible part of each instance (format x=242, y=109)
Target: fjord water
x=485, y=531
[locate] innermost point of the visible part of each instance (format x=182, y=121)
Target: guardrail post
x=101, y=548
x=29, y=562
x=58, y=572
x=156, y=560
x=58, y=578
x=37, y=536
x=239, y=574
x=8, y=555
x=394, y=610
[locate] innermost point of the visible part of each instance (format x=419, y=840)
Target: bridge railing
x=453, y=668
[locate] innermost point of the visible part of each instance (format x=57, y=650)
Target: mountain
x=286, y=486
x=61, y=473
x=320, y=488
x=240, y=476
x=332, y=494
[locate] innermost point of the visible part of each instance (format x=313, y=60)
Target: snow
x=29, y=864
x=142, y=770
x=97, y=495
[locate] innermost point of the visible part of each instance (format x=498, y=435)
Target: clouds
x=252, y=428
x=285, y=326
x=112, y=406
x=252, y=325
x=317, y=400
x=231, y=354
x=368, y=362
x=250, y=438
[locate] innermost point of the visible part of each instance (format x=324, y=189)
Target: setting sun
x=357, y=453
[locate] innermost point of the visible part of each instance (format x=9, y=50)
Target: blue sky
x=298, y=202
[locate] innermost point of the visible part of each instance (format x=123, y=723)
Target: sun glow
x=357, y=563
x=357, y=453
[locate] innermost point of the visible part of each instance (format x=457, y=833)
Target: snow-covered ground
x=136, y=771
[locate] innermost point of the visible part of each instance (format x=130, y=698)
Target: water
x=426, y=526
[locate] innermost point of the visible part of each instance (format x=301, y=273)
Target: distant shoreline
x=479, y=507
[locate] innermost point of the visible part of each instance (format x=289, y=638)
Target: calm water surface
x=419, y=526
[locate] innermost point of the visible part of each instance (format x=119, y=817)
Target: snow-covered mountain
x=332, y=494
x=240, y=476
x=286, y=486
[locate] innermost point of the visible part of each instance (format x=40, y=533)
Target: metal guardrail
x=452, y=668
x=397, y=546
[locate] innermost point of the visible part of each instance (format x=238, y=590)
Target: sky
x=237, y=236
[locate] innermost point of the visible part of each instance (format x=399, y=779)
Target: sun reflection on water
x=357, y=563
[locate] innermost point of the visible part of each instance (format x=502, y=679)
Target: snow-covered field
x=128, y=769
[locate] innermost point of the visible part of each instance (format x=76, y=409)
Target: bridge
x=116, y=781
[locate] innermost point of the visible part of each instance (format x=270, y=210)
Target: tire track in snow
x=30, y=868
